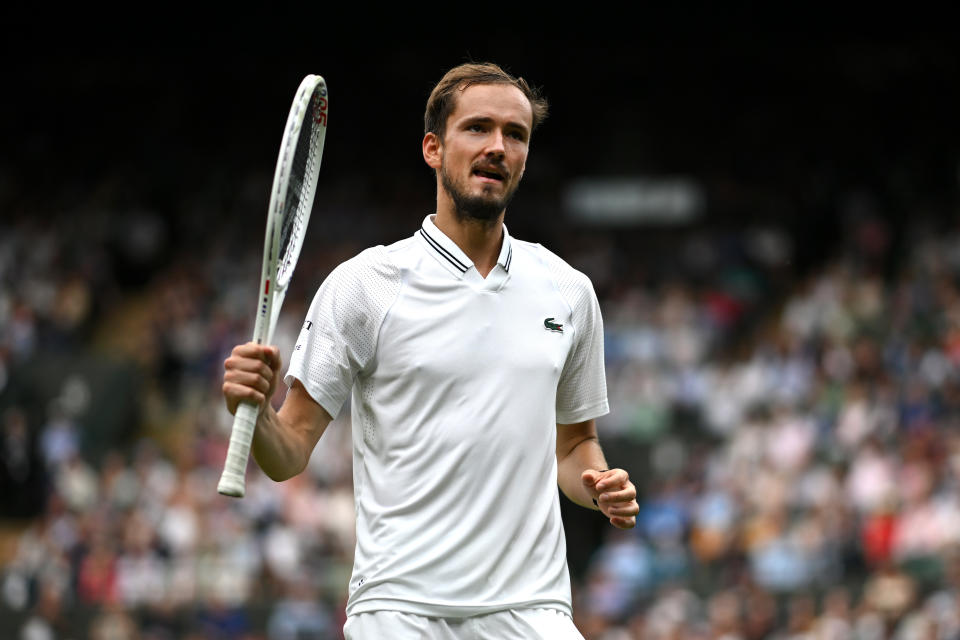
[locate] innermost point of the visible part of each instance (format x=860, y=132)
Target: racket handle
x=232, y=481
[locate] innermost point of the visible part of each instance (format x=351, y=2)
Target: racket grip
x=232, y=481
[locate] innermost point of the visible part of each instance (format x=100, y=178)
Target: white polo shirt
x=458, y=382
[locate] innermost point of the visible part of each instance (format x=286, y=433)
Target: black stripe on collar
x=506, y=265
x=443, y=252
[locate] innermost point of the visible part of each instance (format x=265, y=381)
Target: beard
x=484, y=207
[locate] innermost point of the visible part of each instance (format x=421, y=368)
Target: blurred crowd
x=795, y=437
x=804, y=481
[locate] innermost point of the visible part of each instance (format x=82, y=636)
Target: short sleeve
x=339, y=336
x=582, y=389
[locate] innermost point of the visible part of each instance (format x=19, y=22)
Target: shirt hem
x=329, y=404
x=437, y=610
x=589, y=413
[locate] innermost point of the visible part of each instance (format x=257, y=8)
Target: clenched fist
x=252, y=371
x=615, y=495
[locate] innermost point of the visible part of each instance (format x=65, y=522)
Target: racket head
x=291, y=197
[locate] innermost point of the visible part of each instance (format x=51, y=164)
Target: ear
x=432, y=150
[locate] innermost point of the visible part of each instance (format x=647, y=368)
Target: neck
x=481, y=240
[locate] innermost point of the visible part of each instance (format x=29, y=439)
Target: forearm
x=584, y=454
x=583, y=475
x=278, y=448
x=282, y=440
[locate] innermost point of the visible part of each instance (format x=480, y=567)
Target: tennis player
x=475, y=366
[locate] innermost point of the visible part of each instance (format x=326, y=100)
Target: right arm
x=284, y=439
x=337, y=341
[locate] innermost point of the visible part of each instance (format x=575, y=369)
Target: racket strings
x=297, y=205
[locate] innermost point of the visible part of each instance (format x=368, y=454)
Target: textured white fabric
x=582, y=389
x=340, y=333
x=457, y=382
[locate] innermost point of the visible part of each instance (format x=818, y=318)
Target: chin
x=481, y=206
x=483, y=210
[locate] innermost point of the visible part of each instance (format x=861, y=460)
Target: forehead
x=497, y=101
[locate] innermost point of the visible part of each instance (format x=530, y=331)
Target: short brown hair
x=443, y=98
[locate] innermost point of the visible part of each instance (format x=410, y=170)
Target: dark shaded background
x=774, y=122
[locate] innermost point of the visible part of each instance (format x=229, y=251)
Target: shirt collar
x=451, y=256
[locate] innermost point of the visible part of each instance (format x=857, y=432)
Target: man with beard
x=475, y=364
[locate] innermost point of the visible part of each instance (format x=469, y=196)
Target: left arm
x=583, y=475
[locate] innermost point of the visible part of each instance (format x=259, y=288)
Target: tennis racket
x=291, y=199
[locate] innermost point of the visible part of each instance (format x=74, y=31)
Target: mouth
x=490, y=174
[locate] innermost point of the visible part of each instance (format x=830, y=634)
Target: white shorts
x=513, y=624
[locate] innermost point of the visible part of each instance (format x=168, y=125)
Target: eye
x=475, y=127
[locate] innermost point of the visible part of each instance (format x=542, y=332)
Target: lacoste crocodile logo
x=550, y=325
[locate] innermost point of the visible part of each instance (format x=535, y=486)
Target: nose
x=495, y=144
